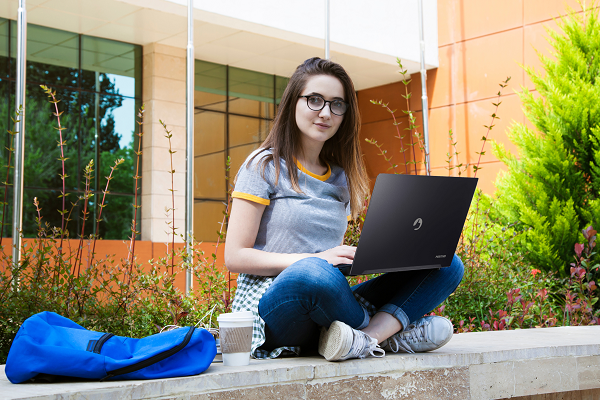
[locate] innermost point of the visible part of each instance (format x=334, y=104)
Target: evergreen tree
x=552, y=188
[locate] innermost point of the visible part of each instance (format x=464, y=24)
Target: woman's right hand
x=338, y=255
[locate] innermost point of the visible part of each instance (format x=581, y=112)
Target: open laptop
x=413, y=222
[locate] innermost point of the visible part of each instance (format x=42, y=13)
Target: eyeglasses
x=317, y=103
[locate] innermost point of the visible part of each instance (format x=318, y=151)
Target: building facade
x=106, y=59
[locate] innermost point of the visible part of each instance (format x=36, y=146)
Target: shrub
x=551, y=190
x=122, y=297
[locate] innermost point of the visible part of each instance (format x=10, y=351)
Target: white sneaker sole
x=336, y=342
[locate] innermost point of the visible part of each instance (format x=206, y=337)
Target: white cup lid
x=237, y=316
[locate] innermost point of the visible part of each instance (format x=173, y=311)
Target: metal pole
x=327, y=57
x=20, y=137
x=424, y=88
x=189, y=188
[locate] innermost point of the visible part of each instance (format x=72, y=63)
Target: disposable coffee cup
x=235, y=332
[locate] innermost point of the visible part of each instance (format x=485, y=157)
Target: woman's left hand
x=338, y=255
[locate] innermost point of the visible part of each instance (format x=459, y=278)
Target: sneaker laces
x=362, y=346
x=402, y=341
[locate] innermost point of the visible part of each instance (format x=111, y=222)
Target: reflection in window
x=234, y=112
x=98, y=82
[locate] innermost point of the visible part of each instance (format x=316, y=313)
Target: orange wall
x=144, y=251
x=481, y=42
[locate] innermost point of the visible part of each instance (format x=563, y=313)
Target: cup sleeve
x=250, y=183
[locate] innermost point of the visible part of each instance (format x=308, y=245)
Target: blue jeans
x=312, y=293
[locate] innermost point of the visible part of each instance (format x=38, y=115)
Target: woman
x=292, y=200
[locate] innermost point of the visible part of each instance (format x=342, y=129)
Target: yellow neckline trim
x=319, y=177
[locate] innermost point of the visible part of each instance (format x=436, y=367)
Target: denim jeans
x=312, y=293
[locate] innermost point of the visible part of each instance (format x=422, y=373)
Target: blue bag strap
x=95, y=346
x=152, y=360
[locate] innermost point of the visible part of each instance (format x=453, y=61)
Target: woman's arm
x=241, y=257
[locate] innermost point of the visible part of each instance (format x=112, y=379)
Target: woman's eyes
x=315, y=100
x=337, y=103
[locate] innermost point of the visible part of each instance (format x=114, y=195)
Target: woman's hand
x=338, y=255
x=241, y=257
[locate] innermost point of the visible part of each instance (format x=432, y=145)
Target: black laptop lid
x=413, y=222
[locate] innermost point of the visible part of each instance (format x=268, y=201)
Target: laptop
x=413, y=222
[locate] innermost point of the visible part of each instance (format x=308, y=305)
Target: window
x=98, y=82
x=234, y=110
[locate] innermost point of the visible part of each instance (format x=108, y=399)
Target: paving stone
x=443, y=383
x=492, y=381
x=588, y=369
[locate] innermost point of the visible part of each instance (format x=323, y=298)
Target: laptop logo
x=440, y=256
x=419, y=222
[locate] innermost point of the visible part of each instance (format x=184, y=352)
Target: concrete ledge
x=485, y=365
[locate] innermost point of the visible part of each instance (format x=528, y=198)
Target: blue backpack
x=48, y=344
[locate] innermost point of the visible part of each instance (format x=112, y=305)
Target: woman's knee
x=456, y=270
x=310, y=274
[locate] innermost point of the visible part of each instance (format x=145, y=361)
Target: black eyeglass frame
x=307, y=96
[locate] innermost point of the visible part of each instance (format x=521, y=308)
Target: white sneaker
x=425, y=334
x=341, y=342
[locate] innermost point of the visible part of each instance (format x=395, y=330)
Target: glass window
x=116, y=216
x=98, y=83
x=110, y=67
x=280, y=85
x=208, y=216
x=234, y=113
x=3, y=48
x=251, y=93
x=209, y=132
x=245, y=130
x=52, y=55
x=238, y=156
x=209, y=176
x=210, y=82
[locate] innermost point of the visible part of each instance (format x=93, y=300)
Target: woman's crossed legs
x=311, y=294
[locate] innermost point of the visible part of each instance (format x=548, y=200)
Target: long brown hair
x=342, y=149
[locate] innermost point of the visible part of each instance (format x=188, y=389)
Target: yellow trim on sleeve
x=251, y=198
x=319, y=177
x=349, y=218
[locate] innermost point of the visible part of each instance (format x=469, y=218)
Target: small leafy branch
x=411, y=127
x=489, y=127
x=458, y=165
x=85, y=197
x=171, y=210
x=61, y=143
x=103, y=203
x=136, y=177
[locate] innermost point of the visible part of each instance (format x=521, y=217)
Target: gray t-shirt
x=308, y=222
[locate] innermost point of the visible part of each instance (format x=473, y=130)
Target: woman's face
x=318, y=126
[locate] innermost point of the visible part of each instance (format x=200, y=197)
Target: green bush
x=551, y=190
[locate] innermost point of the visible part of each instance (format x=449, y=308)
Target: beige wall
x=164, y=99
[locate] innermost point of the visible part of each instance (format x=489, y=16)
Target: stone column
x=164, y=99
